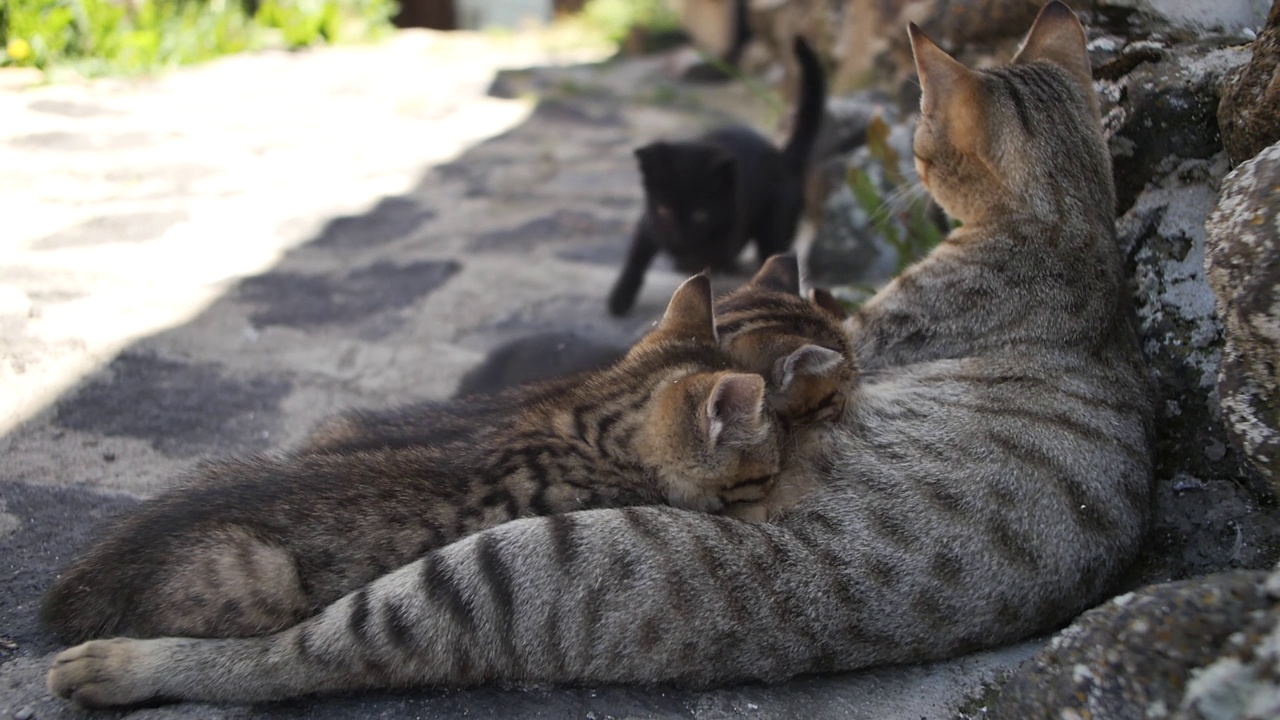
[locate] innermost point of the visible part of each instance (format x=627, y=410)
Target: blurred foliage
x=904, y=218
x=101, y=37
x=616, y=18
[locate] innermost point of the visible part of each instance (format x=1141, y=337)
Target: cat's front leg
x=627, y=287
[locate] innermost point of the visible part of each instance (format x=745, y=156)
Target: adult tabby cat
x=705, y=198
x=247, y=547
x=989, y=479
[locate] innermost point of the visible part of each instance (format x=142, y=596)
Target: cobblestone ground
x=212, y=261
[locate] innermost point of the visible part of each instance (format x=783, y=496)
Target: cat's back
x=753, y=152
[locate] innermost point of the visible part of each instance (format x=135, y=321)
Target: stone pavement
x=212, y=261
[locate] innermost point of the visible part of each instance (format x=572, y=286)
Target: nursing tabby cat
x=989, y=477
x=252, y=546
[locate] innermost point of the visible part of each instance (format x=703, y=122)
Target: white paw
x=98, y=674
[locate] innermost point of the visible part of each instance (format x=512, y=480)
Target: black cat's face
x=690, y=196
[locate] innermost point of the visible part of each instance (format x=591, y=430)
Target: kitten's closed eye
x=662, y=211
x=699, y=216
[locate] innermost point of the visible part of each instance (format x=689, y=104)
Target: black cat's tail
x=813, y=101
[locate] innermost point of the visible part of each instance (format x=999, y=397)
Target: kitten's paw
x=98, y=674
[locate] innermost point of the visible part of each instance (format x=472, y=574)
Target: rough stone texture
x=1243, y=265
x=1210, y=514
x=1249, y=115
x=1160, y=101
x=1243, y=683
x=1188, y=17
x=1136, y=655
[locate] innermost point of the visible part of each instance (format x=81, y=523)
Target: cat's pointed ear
x=651, y=155
x=690, y=314
x=947, y=87
x=808, y=361
x=823, y=298
x=1057, y=37
x=736, y=399
x=780, y=273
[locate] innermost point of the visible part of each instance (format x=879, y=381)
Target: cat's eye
x=663, y=211
x=699, y=216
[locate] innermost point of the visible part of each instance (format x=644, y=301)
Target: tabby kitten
x=802, y=347
x=252, y=546
x=990, y=479
x=705, y=198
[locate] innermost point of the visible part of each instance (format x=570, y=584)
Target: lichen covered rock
x=1135, y=656
x=1243, y=263
x=1249, y=115
x=1201, y=649
x=1159, y=103
x=1209, y=510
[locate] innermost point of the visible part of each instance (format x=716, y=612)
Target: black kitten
x=705, y=198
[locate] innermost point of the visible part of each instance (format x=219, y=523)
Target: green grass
x=110, y=37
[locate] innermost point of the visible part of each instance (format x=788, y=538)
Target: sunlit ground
x=129, y=206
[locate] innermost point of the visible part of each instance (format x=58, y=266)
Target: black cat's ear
x=780, y=273
x=1057, y=37
x=651, y=155
x=948, y=90
x=808, y=361
x=736, y=399
x=690, y=314
x=823, y=298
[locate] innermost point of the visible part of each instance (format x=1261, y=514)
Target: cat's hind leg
x=228, y=584
x=224, y=582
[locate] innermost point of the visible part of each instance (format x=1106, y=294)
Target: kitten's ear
x=690, y=314
x=651, y=155
x=1057, y=37
x=736, y=399
x=948, y=89
x=780, y=273
x=808, y=361
x=823, y=298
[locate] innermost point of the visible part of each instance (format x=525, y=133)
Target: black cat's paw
x=621, y=303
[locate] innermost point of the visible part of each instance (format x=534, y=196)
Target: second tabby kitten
x=251, y=546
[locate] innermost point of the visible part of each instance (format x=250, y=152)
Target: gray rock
x=1244, y=682
x=1136, y=655
x=1194, y=16
x=1160, y=101
x=1243, y=265
x=1218, y=521
x=1249, y=115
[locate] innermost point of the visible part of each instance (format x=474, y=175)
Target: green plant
x=902, y=216
x=96, y=37
x=615, y=18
